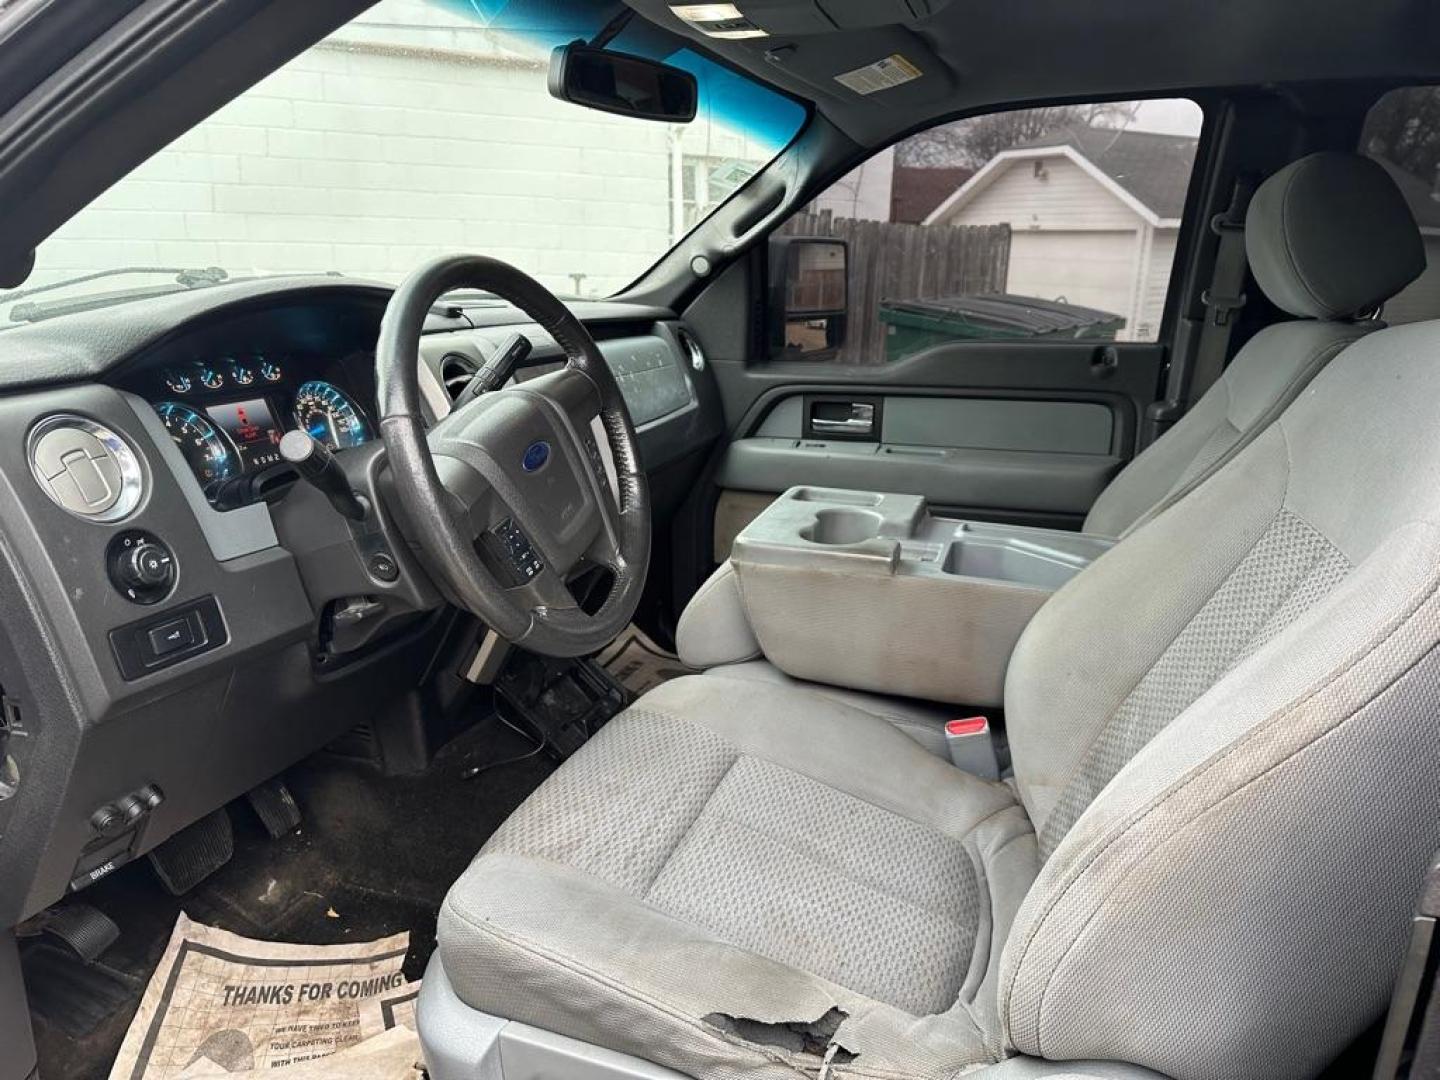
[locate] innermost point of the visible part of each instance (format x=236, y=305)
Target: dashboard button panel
x=149, y=645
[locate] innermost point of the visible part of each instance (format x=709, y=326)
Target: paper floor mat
x=220, y=1005
x=637, y=663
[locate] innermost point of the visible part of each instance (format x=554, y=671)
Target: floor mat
x=374, y=856
x=638, y=664
x=76, y=997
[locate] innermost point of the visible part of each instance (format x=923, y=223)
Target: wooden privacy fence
x=895, y=261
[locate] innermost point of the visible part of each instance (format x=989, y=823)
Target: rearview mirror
x=809, y=296
x=620, y=83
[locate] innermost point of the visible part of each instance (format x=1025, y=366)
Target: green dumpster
x=913, y=325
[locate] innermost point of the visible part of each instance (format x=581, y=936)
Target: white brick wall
x=409, y=133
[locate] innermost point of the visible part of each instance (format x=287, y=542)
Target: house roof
x=917, y=190
x=1154, y=168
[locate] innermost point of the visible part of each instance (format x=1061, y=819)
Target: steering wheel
x=508, y=496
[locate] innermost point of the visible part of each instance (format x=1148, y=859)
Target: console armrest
x=868, y=591
x=714, y=628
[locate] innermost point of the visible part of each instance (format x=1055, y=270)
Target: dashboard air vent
x=456, y=371
x=85, y=467
x=692, y=349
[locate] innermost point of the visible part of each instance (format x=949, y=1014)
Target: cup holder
x=843, y=527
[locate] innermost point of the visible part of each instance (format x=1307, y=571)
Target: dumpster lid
x=1028, y=313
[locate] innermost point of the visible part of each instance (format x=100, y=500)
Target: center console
x=870, y=591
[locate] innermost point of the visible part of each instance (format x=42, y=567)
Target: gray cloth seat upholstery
x=1226, y=789
x=1329, y=238
x=713, y=872
x=922, y=721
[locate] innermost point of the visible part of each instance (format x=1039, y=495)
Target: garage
x=1091, y=268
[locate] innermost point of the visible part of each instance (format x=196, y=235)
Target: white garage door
x=1096, y=269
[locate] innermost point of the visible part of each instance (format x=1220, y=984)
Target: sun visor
x=888, y=66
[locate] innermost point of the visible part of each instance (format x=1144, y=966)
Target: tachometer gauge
x=328, y=414
x=209, y=454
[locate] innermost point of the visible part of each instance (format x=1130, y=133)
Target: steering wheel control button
x=152, y=644
x=516, y=551
x=382, y=567
x=85, y=468
x=171, y=637
x=140, y=566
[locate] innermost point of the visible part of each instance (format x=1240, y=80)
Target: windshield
x=422, y=127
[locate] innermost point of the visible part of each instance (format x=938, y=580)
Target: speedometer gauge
x=208, y=453
x=328, y=414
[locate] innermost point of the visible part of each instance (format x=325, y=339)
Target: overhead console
x=869, y=591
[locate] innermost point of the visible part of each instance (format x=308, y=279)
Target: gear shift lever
x=314, y=461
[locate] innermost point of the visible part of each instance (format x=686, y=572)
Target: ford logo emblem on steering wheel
x=536, y=455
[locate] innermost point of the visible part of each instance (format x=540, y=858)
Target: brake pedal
x=275, y=807
x=193, y=854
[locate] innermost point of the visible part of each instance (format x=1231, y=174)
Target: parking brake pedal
x=275, y=807
x=85, y=931
x=192, y=855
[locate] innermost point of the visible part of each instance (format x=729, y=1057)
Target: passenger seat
x=1329, y=239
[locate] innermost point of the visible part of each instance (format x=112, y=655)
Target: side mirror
x=620, y=83
x=809, y=296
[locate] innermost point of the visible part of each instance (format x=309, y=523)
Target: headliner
x=982, y=53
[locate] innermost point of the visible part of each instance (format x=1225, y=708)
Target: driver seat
x=1226, y=789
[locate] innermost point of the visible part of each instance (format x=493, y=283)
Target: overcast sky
x=1176, y=116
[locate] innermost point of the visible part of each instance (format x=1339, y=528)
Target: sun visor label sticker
x=884, y=74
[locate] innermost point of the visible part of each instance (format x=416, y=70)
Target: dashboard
x=182, y=620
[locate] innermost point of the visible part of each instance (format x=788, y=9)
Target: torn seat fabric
x=738, y=879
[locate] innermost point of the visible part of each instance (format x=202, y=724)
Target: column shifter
x=314, y=461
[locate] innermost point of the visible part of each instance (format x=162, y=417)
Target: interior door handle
x=861, y=421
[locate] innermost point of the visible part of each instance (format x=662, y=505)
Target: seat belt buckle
x=971, y=748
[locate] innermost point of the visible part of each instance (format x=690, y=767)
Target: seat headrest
x=1330, y=236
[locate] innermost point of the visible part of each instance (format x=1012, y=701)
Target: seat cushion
x=735, y=878
x=923, y=721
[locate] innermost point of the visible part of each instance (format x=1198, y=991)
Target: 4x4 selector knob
x=140, y=566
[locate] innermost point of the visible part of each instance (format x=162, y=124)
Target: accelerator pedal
x=193, y=854
x=275, y=807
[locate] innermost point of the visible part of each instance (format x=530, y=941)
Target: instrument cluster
x=227, y=416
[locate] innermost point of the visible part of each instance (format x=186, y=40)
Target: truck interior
x=777, y=539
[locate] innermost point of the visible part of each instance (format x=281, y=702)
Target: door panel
x=1007, y=431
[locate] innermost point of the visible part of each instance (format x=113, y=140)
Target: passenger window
x=1046, y=224
x=1402, y=133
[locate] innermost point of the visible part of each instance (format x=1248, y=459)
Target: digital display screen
x=252, y=428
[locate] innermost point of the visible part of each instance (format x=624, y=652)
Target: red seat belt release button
x=968, y=740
